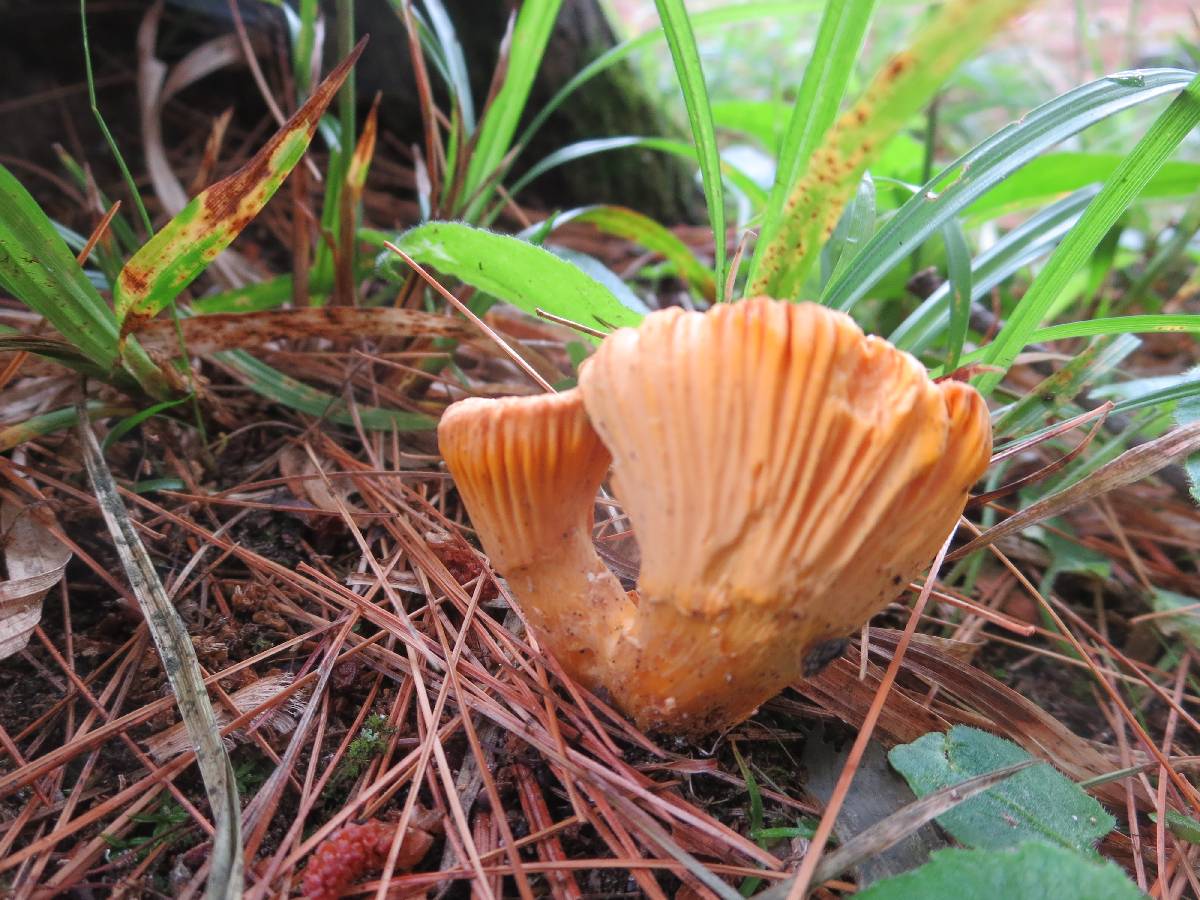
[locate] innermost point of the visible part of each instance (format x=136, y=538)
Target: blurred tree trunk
x=613, y=103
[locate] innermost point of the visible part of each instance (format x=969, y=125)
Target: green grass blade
x=512, y=270
x=1029, y=241
x=1168, y=130
x=132, y=421
x=839, y=39
x=852, y=232
x=1163, y=324
x=457, y=78
x=958, y=268
x=304, y=47
x=38, y=269
x=1148, y=324
x=283, y=389
x=709, y=20
x=95, y=107
x=686, y=57
x=830, y=175
x=499, y=122
x=580, y=149
x=184, y=247
x=985, y=166
x=634, y=226
x=55, y=420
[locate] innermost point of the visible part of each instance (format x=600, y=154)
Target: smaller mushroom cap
x=528, y=469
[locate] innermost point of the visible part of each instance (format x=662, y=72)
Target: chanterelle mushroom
x=784, y=476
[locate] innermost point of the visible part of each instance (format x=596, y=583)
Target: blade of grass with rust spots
x=181, y=250
x=828, y=178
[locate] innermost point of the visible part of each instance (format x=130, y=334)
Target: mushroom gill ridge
x=784, y=475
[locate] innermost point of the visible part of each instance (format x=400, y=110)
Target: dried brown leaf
x=228, y=331
x=35, y=561
x=1132, y=465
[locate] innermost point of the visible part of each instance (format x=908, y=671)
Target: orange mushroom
x=784, y=476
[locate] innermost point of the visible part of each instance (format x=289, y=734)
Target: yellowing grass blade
x=827, y=180
x=181, y=250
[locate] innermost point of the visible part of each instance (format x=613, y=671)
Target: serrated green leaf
x=184, y=247
x=1031, y=870
x=1038, y=804
x=514, y=271
x=634, y=226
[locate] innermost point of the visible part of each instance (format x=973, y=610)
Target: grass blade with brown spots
x=827, y=180
x=182, y=249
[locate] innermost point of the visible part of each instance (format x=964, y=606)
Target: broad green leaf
x=184, y=247
x=1067, y=556
x=827, y=178
x=499, y=123
x=1143, y=161
x=589, y=265
x=38, y=269
x=514, y=271
x=1037, y=804
x=759, y=119
x=635, y=226
x=1049, y=177
x=985, y=166
x=1031, y=870
x=839, y=39
x=686, y=56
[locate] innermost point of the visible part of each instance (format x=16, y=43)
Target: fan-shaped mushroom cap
x=784, y=475
x=528, y=469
